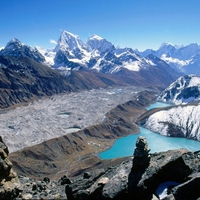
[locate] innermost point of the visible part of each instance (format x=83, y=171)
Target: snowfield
x=61, y=114
x=184, y=118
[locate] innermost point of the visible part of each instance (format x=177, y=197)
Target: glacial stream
x=125, y=146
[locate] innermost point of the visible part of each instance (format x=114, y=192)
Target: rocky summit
x=172, y=175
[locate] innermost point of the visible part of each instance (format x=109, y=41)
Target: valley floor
x=61, y=114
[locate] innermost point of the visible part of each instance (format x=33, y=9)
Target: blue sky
x=138, y=24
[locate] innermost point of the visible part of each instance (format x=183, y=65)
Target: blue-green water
x=158, y=105
x=125, y=146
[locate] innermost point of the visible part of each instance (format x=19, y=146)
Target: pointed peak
x=13, y=44
x=68, y=34
x=14, y=40
x=69, y=42
x=166, y=44
x=95, y=37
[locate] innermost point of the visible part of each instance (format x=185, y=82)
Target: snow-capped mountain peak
x=184, y=90
x=71, y=50
x=69, y=41
x=14, y=43
x=16, y=48
x=182, y=58
x=96, y=42
x=95, y=37
x=165, y=44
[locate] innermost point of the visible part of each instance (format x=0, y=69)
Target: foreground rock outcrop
x=9, y=182
x=140, y=177
x=171, y=175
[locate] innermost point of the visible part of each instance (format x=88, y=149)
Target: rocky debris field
x=61, y=114
x=166, y=175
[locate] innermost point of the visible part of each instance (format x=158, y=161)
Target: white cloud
x=1, y=48
x=53, y=41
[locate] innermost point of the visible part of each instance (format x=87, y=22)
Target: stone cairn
x=141, y=154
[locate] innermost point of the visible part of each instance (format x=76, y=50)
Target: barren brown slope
x=76, y=152
x=160, y=76
x=22, y=79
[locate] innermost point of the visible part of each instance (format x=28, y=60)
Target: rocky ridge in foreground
x=140, y=177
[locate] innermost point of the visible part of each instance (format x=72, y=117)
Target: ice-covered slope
x=184, y=90
x=181, y=121
x=183, y=58
x=99, y=54
x=71, y=51
x=48, y=54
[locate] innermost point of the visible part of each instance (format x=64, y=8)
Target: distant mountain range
x=97, y=63
x=97, y=54
x=71, y=53
x=181, y=58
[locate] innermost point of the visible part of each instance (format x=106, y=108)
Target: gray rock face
x=9, y=183
x=183, y=191
x=139, y=177
x=23, y=79
x=124, y=181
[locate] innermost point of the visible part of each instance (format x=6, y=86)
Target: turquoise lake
x=125, y=146
x=158, y=105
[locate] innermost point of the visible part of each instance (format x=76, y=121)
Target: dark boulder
x=140, y=176
x=189, y=189
x=9, y=182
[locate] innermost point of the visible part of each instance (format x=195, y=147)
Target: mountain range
x=71, y=53
x=98, y=54
x=95, y=64
x=181, y=58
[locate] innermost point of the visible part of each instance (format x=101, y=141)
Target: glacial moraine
x=55, y=116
